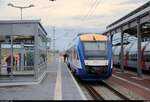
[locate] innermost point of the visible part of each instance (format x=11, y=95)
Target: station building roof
x=6, y=24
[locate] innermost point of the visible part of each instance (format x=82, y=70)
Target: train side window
x=77, y=56
x=134, y=57
x=74, y=54
x=148, y=57
x=71, y=54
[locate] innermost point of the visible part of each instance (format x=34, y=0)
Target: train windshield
x=95, y=50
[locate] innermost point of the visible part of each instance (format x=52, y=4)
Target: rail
x=115, y=91
x=95, y=95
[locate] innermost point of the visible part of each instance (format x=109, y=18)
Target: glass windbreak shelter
x=23, y=53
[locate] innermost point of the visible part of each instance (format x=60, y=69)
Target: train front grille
x=96, y=69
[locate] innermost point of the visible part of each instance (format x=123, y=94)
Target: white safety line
x=58, y=90
x=51, y=71
x=138, y=85
x=79, y=89
x=125, y=72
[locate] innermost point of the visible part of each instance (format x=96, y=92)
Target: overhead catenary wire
x=92, y=5
x=92, y=9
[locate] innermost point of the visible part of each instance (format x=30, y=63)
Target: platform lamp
x=52, y=0
x=20, y=7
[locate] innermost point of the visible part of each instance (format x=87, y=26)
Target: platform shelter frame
x=25, y=41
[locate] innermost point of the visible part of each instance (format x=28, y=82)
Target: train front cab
x=84, y=73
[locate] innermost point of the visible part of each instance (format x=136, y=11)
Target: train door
x=146, y=55
x=76, y=59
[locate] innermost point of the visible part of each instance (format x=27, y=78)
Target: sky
x=70, y=17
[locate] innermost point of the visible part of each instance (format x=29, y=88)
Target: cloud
x=70, y=16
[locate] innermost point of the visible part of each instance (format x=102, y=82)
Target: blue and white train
x=90, y=57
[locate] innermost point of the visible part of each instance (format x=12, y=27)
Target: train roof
x=93, y=37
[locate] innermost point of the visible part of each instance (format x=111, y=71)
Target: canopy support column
x=122, y=51
x=11, y=64
x=139, y=70
x=0, y=59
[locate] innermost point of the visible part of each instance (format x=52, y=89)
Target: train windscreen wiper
x=96, y=42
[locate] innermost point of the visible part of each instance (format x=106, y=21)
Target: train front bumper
x=85, y=76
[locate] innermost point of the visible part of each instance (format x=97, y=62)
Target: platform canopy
x=137, y=24
x=128, y=23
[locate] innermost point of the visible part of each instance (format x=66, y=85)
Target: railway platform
x=58, y=84
x=131, y=83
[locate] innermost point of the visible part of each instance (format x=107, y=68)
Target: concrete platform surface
x=58, y=84
x=130, y=81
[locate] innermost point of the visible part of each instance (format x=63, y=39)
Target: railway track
x=96, y=94
x=116, y=92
